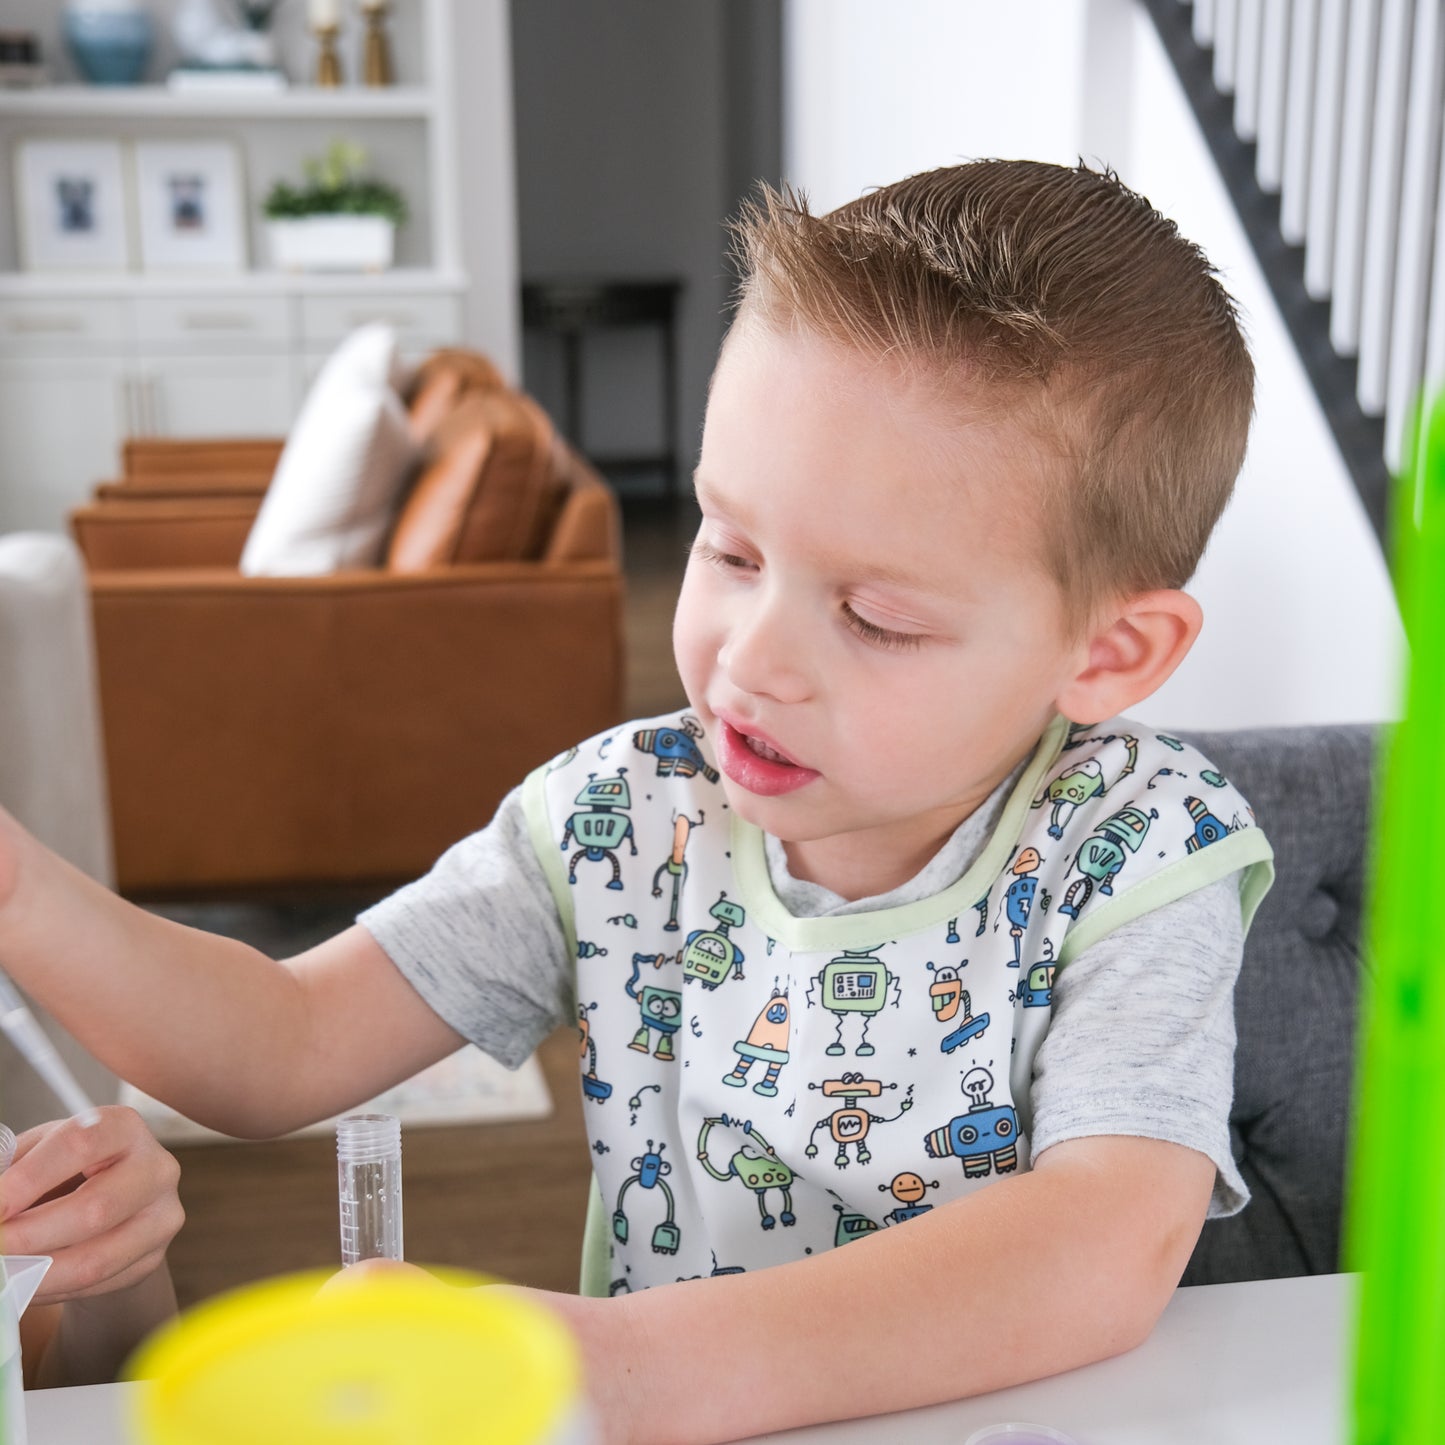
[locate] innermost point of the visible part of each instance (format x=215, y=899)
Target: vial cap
x=367, y=1138
x=7, y=1147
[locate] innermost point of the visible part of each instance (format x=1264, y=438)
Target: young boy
x=966, y=440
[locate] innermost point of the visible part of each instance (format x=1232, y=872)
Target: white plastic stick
x=34, y=1044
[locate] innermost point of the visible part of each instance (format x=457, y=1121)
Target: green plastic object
x=1395, y=1226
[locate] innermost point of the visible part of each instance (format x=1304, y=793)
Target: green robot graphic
x=854, y=983
x=599, y=828
x=756, y=1171
x=709, y=953
x=767, y=1040
x=661, y=1009
x=1104, y=853
x=1076, y=785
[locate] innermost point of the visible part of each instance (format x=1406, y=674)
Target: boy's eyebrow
x=871, y=570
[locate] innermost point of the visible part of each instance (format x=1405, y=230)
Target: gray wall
x=639, y=125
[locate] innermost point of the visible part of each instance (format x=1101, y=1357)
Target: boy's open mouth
x=757, y=765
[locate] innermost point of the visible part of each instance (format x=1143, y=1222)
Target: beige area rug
x=467, y=1087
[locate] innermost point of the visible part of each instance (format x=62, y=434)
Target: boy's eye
x=880, y=636
x=705, y=553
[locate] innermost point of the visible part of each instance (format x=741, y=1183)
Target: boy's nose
x=764, y=656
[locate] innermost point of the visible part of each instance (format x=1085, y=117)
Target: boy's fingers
x=113, y=1260
x=53, y=1155
x=105, y=1198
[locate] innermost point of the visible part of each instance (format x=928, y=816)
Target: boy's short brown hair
x=1077, y=300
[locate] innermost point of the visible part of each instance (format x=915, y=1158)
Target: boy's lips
x=768, y=776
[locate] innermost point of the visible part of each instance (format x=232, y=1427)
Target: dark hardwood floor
x=504, y=1199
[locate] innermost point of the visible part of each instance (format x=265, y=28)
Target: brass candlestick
x=328, y=63
x=378, y=68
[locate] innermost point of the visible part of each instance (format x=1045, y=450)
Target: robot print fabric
x=759, y=1087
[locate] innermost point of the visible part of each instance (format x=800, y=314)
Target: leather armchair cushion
x=492, y=490
x=440, y=382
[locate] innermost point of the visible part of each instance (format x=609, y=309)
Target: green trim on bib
x=1248, y=849
x=596, y=1277
x=544, y=845
x=863, y=930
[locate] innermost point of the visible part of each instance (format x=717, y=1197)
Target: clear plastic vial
x=368, y=1181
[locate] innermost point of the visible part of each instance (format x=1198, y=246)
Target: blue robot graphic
x=908, y=1189
x=849, y=1124
x=676, y=750
x=986, y=1137
x=1018, y=899
x=592, y=1087
x=756, y=1166
x=1082, y=781
x=652, y=1170
x=1207, y=828
x=1104, y=853
x=675, y=865
x=600, y=826
x=709, y=953
x=767, y=1041
x=661, y=1009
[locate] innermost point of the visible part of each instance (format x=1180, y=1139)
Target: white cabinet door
x=61, y=425
x=218, y=396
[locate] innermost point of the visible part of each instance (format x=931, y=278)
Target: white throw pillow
x=343, y=470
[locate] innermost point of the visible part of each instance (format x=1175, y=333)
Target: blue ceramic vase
x=110, y=40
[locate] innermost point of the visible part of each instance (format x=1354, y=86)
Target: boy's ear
x=1132, y=654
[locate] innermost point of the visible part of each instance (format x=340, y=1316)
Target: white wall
x=1301, y=625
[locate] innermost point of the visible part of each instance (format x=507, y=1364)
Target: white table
x=1230, y=1364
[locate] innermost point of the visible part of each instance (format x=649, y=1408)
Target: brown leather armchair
x=268, y=732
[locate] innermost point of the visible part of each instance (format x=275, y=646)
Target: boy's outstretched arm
x=1037, y=1273
x=209, y=1025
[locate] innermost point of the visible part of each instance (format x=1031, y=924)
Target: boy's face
x=865, y=627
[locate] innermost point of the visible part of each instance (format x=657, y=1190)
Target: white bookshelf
x=177, y=353
x=297, y=102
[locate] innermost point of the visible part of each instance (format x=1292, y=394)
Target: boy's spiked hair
x=1079, y=303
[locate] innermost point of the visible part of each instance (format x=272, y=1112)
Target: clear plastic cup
x=1019, y=1432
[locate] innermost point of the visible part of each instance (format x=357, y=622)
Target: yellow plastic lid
x=389, y=1359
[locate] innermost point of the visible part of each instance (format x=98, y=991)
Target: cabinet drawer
x=419, y=321
x=37, y=326
x=210, y=323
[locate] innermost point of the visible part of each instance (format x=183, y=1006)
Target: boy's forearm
x=180, y=1013
x=1012, y=1283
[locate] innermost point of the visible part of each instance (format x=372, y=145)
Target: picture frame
x=72, y=205
x=190, y=207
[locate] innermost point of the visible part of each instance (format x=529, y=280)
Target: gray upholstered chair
x=1295, y=1005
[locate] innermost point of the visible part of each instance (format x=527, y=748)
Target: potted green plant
x=341, y=219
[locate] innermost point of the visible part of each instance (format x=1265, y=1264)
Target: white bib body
x=760, y=1087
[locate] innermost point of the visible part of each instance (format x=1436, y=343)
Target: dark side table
x=569, y=308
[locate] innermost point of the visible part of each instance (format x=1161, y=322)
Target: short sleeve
x=479, y=938
x=1142, y=1037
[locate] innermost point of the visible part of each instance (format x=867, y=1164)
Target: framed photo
x=189, y=205
x=70, y=200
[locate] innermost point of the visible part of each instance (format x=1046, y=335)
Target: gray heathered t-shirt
x=1141, y=1041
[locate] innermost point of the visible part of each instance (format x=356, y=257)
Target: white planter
x=332, y=243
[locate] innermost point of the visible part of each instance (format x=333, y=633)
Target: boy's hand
x=101, y=1201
